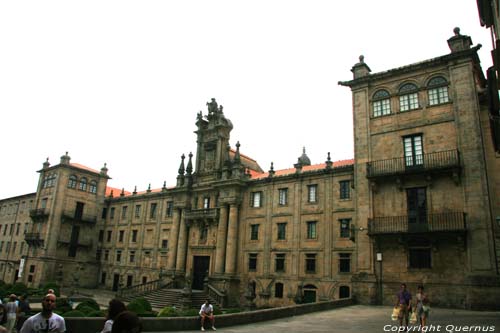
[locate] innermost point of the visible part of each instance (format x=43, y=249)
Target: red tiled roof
x=116, y=191
x=81, y=166
x=284, y=172
x=247, y=161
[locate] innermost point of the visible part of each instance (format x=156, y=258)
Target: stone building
x=417, y=204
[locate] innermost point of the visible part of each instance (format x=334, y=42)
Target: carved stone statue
x=212, y=107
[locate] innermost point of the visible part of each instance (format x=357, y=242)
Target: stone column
x=174, y=234
x=232, y=240
x=220, y=252
x=182, y=245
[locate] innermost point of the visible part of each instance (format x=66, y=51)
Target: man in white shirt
x=45, y=321
x=207, y=311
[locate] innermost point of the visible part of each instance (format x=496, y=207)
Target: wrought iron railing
x=69, y=216
x=143, y=288
x=33, y=238
x=446, y=221
x=197, y=214
x=415, y=163
x=39, y=214
x=216, y=295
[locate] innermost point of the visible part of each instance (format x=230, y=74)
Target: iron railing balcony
x=438, y=161
x=202, y=214
x=39, y=214
x=428, y=223
x=70, y=216
x=33, y=238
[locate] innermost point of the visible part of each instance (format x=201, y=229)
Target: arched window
x=408, y=97
x=72, y=181
x=344, y=292
x=49, y=180
x=381, y=103
x=438, y=90
x=278, y=290
x=83, y=184
x=93, y=186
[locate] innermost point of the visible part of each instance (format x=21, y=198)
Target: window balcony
x=209, y=214
x=33, y=239
x=429, y=223
x=448, y=160
x=72, y=217
x=39, y=215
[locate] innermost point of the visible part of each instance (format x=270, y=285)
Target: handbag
x=413, y=318
x=395, y=313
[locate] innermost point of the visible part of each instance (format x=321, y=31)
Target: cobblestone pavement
x=362, y=318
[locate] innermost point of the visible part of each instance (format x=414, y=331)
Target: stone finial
x=459, y=42
x=361, y=68
x=46, y=164
x=181, y=167
x=122, y=194
x=111, y=194
x=189, y=167
x=304, y=159
x=237, y=153
x=164, y=188
x=149, y=188
x=328, y=162
x=135, y=190
x=104, y=170
x=65, y=159
x=271, y=170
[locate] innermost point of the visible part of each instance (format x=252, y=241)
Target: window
x=252, y=262
x=18, y=227
x=152, y=212
x=72, y=181
x=124, y=212
x=312, y=192
x=103, y=278
x=120, y=235
x=256, y=199
x=164, y=243
x=344, y=262
x=134, y=236
x=49, y=180
x=254, y=232
x=104, y=213
x=438, y=91
x=280, y=262
x=345, y=189
x=137, y=211
x=112, y=213
x=170, y=208
x=419, y=257
x=32, y=268
x=408, y=97
x=144, y=279
x=206, y=203
x=93, y=187
x=283, y=196
x=83, y=184
x=281, y=231
x=310, y=262
x=344, y=292
x=311, y=230
x=132, y=257
x=416, y=204
x=381, y=103
x=345, y=228
x=108, y=237
x=130, y=279
x=278, y=290
x=118, y=255
x=106, y=255
x=98, y=254
x=203, y=234
x=413, y=149
x=101, y=235
x=43, y=204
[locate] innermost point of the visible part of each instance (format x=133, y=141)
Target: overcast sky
x=121, y=82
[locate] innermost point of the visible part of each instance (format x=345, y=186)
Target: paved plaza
x=362, y=318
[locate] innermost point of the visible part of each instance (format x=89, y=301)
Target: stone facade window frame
x=381, y=103
x=72, y=181
x=312, y=230
x=345, y=189
x=278, y=290
x=345, y=227
x=344, y=262
x=419, y=256
x=279, y=263
x=281, y=231
x=82, y=184
x=312, y=193
x=137, y=212
x=256, y=199
x=283, y=196
x=93, y=187
x=437, y=91
x=254, y=232
x=170, y=209
x=310, y=266
x=153, y=207
x=252, y=262
x=408, y=97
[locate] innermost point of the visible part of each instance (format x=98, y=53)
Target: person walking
x=422, y=306
x=23, y=311
x=115, y=307
x=127, y=322
x=47, y=320
x=403, y=301
x=207, y=311
x=11, y=308
x=3, y=318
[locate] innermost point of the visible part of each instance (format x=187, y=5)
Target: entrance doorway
x=116, y=281
x=309, y=293
x=200, y=271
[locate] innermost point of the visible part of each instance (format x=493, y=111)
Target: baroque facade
x=419, y=203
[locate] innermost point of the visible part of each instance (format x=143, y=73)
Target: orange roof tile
x=314, y=167
x=81, y=166
x=116, y=191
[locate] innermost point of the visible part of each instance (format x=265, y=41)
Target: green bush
x=189, y=313
x=144, y=302
x=63, y=305
x=50, y=285
x=84, y=308
x=217, y=311
x=232, y=310
x=91, y=303
x=74, y=313
x=168, y=311
x=96, y=313
x=18, y=288
x=136, y=307
x=147, y=314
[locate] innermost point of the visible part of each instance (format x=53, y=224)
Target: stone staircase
x=170, y=297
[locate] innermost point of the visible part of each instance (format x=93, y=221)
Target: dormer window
x=438, y=91
x=83, y=184
x=381, y=103
x=408, y=97
x=72, y=181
